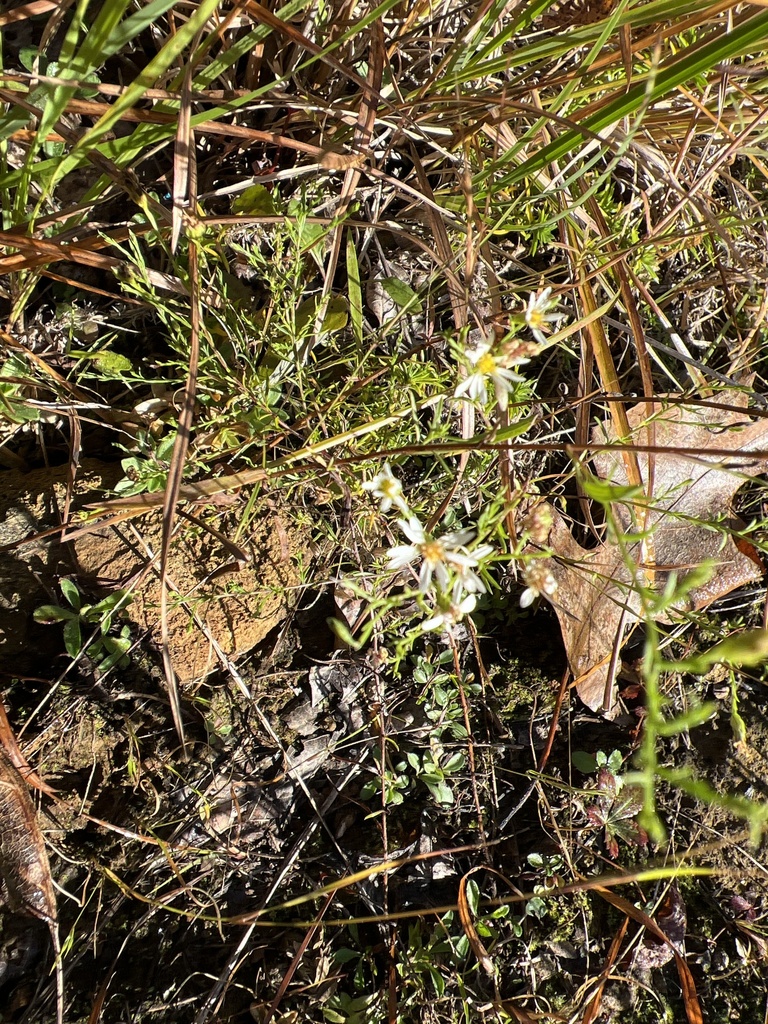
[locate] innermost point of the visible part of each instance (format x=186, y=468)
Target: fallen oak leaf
x=688, y=514
x=693, y=492
x=16, y=757
x=24, y=863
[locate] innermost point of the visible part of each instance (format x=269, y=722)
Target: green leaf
x=112, y=603
x=310, y=235
x=341, y=630
x=71, y=593
x=402, y=294
x=117, y=651
x=746, y=649
x=441, y=792
x=455, y=763
x=688, y=720
x=354, y=291
x=715, y=49
x=255, y=201
x=48, y=613
x=345, y=955
x=73, y=640
x=536, y=907
x=437, y=980
x=473, y=896
x=605, y=492
x=27, y=57
x=148, y=77
x=583, y=762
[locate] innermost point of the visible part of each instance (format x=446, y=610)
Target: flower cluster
x=488, y=364
x=488, y=367
x=446, y=565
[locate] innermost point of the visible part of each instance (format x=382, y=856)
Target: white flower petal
x=457, y=538
x=474, y=355
x=472, y=582
x=460, y=560
x=472, y=386
x=441, y=574
x=412, y=529
x=402, y=555
x=425, y=576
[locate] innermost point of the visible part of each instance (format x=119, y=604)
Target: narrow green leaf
x=148, y=77
x=745, y=649
x=135, y=24
x=354, y=291
x=696, y=60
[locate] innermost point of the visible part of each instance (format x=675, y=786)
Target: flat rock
x=232, y=609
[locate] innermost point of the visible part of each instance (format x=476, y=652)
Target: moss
x=519, y=686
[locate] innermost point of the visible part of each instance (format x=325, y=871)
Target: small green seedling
x=105, y=650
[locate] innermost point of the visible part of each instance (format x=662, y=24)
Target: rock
x=235, y=610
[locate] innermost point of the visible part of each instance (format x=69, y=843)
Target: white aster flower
x=450, y=609
x=487, y=367
x=438, y=554
x=540, y=581
x=469, y=580
x=388, y=488
x=537, y=313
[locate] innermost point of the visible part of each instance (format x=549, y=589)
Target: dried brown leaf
x=23, y=858
x=687, y=984
x=671, y=918
x=17, y=759
x=689, y=514
x=24, y=863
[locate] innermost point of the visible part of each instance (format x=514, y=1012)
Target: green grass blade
x=148, y=77
x=355, y=291
x=699, y=59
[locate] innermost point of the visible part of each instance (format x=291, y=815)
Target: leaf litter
x=688, y=518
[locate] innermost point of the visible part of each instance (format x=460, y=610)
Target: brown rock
x=235, y=610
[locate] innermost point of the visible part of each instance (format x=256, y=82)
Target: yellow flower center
x=432, y=551
x=486, y=364
x=536, y=319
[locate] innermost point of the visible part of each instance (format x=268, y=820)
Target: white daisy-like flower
x=469, y=580
x=487, y=367
x=540, y=581
x=437, y=554
x=388, y=488
x=451, y=609
x=538, y=315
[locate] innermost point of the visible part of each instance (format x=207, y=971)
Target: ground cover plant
x=382, y=394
